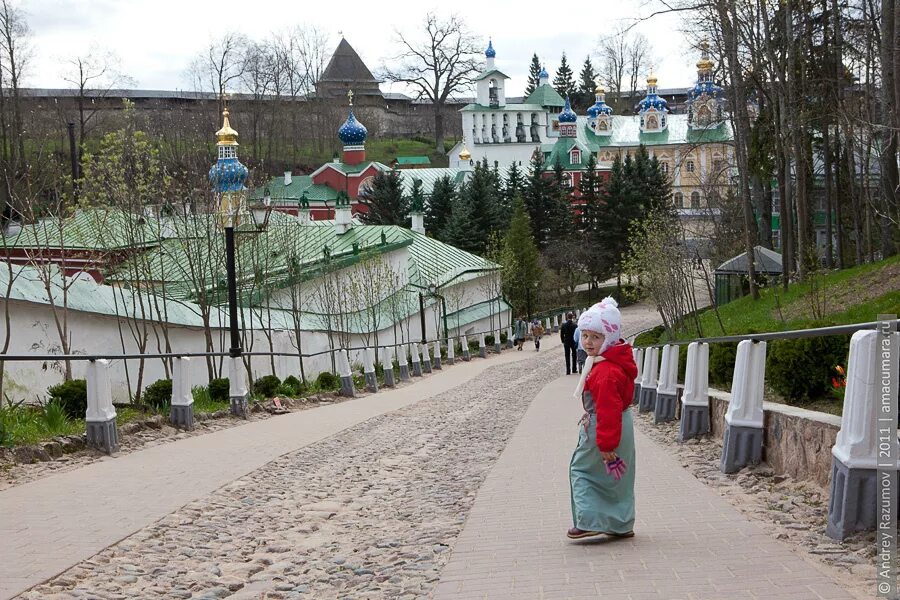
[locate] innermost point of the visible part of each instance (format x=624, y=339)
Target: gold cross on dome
x=350, y=96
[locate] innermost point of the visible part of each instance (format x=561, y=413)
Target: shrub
x=721, y=363
x=266, y=385
x=71, y=396
x=328, y=381
x=158, y=395
x=489, y=340
x=220, y=390
x=801, y=369
x=503, y=337
x=473, y=345
x=292, y=382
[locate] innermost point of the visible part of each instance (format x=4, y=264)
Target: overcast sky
x=155, y=40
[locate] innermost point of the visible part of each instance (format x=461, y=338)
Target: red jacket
x=611, y=383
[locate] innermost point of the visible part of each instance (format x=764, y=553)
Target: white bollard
x=855, y=489
x=695, y=397
x=648, y=380
x=387, y=362
x=451, y=351
x=464, y=344
x=238, y=391
x=510, y=337
x=497, y=346
x=436, y=360
x=414, y=355
x=369, y=370
x=181, y=413
x=742, y=443
x=667, y=387
x=346, y=375
x=639, y=361
x=482, y=349
x=403, y=363
x=426, y=358
x=100, y=417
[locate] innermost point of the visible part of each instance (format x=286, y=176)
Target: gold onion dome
x=599, y=89
x=651, y=79
x=704, y=64
x=226, y=136
x=464, y=154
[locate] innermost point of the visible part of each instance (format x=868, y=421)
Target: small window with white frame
x=689, y=166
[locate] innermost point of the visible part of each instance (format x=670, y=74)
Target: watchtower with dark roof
x=346, y=71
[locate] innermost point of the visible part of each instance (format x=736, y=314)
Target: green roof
x=90, y=229
x=545, y=95
x=561, y=150
x=626, y=131
x=429, y=177
x=492, y=72
x=413, y=160
x=505, y=108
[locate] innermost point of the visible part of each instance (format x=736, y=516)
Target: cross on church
x=350, y=96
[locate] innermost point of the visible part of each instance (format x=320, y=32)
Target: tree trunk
x=439, y=128
x=829, y=197
x=889, y=174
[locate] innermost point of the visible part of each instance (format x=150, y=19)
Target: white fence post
x=346, y=374
x=742, y=443
x=369, y=370
x=648, y=380
x=100, y=417
x=639, y=361
x=854, y=457
x=464, y=344
x=387, y=362
x=426, y=358
x=402, y=362
x=667, y=388
x=482, y=349
x=237, y=387
x=451, y=351
x=436, y=360
x=695, y=397
x=182, y=412
x=416, y=364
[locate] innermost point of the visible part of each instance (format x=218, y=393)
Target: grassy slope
x=854, y=295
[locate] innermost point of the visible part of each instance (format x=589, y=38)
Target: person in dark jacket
x=567, y=335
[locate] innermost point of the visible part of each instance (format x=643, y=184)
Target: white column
x=668, y=373
x=99, y=395
x=696, y=375
x=745, y=408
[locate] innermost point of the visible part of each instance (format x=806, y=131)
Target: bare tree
x=15, y=54
x=624, y=58
x=440, y=63
x=219, y=68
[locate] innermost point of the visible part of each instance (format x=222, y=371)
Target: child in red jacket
x=601, y=473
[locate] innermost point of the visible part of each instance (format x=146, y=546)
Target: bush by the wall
x=721, y=363
x=504, y=337
x=295, y=384
x=473, y=345
x=158, y=395
x=220, y=390
x=328, y=381
x=266, y=385
x=801, y=369
x=648, y=338
x=489, y=340
x=71, y=396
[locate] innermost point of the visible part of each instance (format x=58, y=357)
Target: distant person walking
x=537, y=330
x=580, y=353
x=521, y=332
x=567, y=335
x=601, y=473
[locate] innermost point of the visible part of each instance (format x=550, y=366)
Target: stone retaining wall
x=796, y=442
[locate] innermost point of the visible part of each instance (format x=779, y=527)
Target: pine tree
x=512, y=187
x=440, y=206
x=586, y=85
x=521, y=270
x=559, y=214
x=588, y=190
x=386, y=203
x=459, y=231
x=483, y=196
x=534, y=75
x=564, y=82
x=537, y=197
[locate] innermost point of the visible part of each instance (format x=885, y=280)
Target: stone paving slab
x=53, y=523
x=690, y=543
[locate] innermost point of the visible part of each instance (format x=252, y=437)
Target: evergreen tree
x=483, y=195
x=537, y=197
x=521, y=269
x=586, y=85
x=564, y=82
x=459, y=231
x=534, y=75
x=588, y=190
x=440, y=206
x=386, y=203
x=559, y=213
x=512, y=187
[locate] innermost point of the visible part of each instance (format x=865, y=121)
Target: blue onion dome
x=652, y=100
x=567, y=115
x=228, y=175
x=352, y=132
x=543, y=74
x=600, y=107
x=490, y=52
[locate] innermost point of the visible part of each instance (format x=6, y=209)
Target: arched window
x=575, y=158
x=689, y=165
x=679, y=200
x=664, y=167
x=695, y=199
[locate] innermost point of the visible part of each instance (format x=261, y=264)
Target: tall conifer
x=534, y=75
x=564, y=82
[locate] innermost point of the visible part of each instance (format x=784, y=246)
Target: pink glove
x=616, y=468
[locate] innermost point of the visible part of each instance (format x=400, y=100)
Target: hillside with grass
x=805, y=372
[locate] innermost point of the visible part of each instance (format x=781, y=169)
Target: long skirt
x=599, y=502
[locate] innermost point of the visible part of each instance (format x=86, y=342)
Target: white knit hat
x=604, y=318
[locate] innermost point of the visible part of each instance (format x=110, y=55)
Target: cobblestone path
x=368, y=513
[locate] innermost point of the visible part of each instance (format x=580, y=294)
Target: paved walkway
x=51, y=524
x=690, y=542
